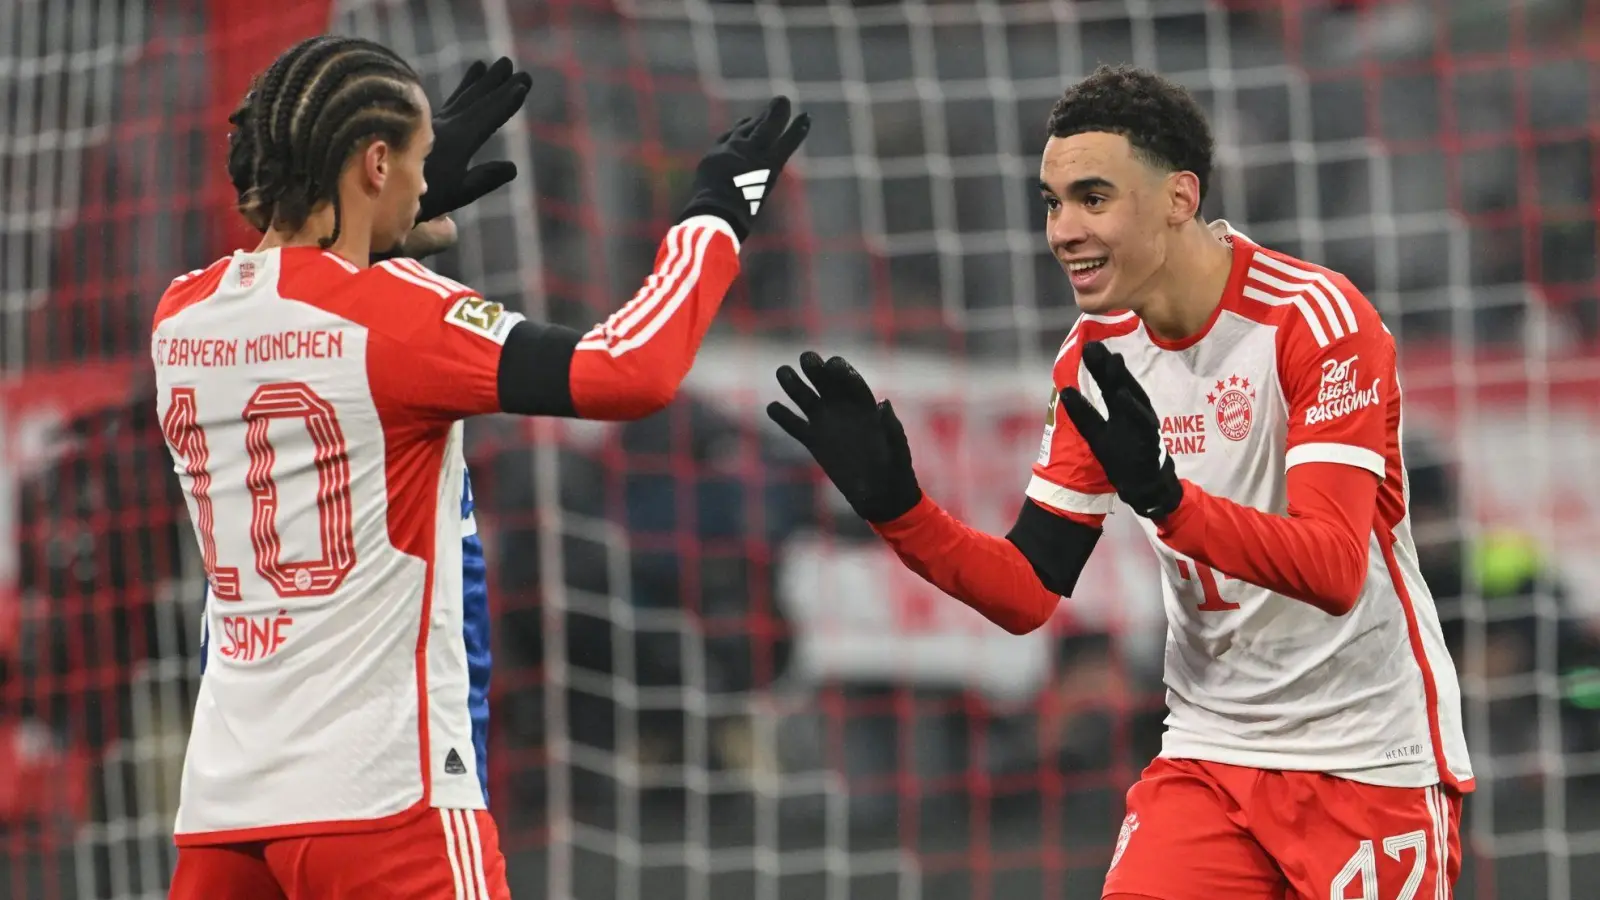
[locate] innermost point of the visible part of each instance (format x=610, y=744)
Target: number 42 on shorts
x=1362, y=868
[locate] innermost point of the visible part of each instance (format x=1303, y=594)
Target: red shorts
x=1200, y=830
x=443, y=854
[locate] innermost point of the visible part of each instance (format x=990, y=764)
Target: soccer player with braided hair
x=1244, y=405
x=312, y=392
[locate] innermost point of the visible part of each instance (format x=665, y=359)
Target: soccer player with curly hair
x=1244, y=405
x=312, y=393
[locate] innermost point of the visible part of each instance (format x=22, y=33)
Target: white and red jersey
x=1294, y=367
x=313, y=410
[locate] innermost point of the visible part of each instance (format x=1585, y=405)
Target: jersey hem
x=1419, y=774
x=303, y=829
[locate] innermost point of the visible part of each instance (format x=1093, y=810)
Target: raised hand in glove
x=735, y=178
x=858, y=441
x=1127, y=440
x=486, y=99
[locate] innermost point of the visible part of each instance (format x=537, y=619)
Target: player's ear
x=376, y=160
x=1183, y=197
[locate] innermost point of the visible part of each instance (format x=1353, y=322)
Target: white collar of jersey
x=1224, y=231
x=250, y=271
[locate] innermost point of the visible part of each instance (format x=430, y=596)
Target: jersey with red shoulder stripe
x=313, y=411
x=1294, y=367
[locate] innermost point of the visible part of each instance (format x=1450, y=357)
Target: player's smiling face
x=1103, y=218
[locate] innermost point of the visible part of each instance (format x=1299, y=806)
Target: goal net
x=711, y=681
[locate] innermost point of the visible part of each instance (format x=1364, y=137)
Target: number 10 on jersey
x=288, y=400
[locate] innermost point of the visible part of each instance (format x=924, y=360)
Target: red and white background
x=711, y=682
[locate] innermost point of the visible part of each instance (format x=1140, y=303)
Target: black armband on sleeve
x=534, y=377
x=1057, y=547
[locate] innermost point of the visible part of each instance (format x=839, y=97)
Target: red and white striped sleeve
x=436, y=343
x=1336, y=363
x=632, y=364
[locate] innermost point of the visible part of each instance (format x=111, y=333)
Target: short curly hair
x=1159, y=117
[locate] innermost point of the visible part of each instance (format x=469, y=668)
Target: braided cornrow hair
x=303, y=118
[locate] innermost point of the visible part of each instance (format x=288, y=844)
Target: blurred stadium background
x=711, y=682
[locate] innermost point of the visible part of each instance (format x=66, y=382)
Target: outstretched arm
x=631, y=365
x=1015, y=581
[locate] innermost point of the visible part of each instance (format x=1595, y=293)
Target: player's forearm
x=1316, y=554
x=632, y=365
x=988, y=573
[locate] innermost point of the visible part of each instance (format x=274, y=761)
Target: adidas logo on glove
x=754, y=187
x=742, y=168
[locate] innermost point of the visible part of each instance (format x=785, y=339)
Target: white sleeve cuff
x=1345, y=454
x=715, y=223
x=1067, y=500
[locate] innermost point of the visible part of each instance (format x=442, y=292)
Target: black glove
x=1127, y=442
x=487, y=97
x=737, y=176
x=858, y=441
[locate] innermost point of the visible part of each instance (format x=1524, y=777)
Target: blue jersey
x=475, y=630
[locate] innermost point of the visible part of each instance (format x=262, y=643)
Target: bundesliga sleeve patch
x=485, y=318
x=1043, y=458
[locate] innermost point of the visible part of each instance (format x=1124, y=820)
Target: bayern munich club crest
x=1234, y=402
